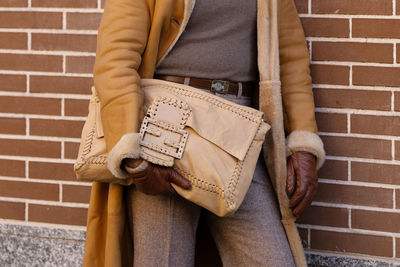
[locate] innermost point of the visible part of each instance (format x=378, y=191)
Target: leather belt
x=217, y=86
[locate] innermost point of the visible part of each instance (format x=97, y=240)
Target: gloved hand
x=156, y=179
x=302, y=181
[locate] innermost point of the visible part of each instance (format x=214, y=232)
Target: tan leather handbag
x=211, y=141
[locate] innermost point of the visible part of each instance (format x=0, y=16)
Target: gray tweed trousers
x=164, y=227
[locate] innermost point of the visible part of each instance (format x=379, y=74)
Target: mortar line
x=347, y=230
x=45, y=181
x=354, y=207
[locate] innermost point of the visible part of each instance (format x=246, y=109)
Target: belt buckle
x=220, y=86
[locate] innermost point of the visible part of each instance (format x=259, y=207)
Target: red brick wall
x=47, y=51
x=354, y=46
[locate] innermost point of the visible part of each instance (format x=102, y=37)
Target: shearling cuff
x=142, y=166
x=127, y=147
x=306, y=141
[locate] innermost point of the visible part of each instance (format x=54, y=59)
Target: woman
x=140, y=38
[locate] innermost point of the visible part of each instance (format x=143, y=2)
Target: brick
x=302, y=6
x=59, y=128
x=351, y=242
x=30, y=62
x=14, y=3
x=31, y=20
x=397, y=150
x=357, y=147
x=397, y=7
x=13, y=40
x=355, y=195
x=83, y=21
x=327, y=74
x=396, y=101
x=77, y=64
x=64, y=42
x=71, y=150
x=30, y=105
x=76, y=107
x=379, y=125
x=352, y=51
x=12, y=126
x=376, y=28
x=353, y=7
x=65, y=3
x=13, y=168
x=76, y=193
x=376, y=76
x=335, y=217
x=29, y=190
x=12, y=83
x=398, y=199
x=60, y=84
x=12, y=210
x=30, y=148
x=51, y=171
x=355, y=99
x=326, y=27
x=397, y=53
x=397, y=247
x=375, y=173
x=334, y=169
x=330, y=122
x=57, y=214
x=375, y=220
x=304, y=237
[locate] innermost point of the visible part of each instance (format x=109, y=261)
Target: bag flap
x=224, y=128
x=230, y=126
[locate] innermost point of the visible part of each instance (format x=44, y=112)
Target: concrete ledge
x=328, y=259
x=25, y=245
x=22, y=245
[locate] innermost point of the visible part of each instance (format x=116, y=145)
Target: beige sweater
x=219, y=42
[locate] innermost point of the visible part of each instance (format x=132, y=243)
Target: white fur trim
x=306, y=141
x=127, y=147
x=142, y=166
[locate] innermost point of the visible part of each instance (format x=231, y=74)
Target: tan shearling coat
x=133, y=38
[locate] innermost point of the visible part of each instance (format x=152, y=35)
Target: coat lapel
x=188, y=8
x=270, y=103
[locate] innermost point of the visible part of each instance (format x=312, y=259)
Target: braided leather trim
x=88, y=144
x=97, y=160
x=152, y=111
x=229, y=195
x=244, y=113
x=201, y=184
x=152, y=159
x=233, y=184
x=236, y=174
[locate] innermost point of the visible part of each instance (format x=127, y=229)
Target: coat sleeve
x=297, y=95
x=121, y=40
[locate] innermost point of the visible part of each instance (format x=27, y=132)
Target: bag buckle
x=163, y=137
x=220, y=86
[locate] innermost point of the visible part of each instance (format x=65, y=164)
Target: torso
x=219, y=42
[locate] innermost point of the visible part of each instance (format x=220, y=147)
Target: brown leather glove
x=157, y=179
x=302, y=181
